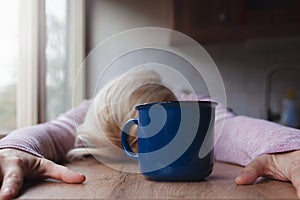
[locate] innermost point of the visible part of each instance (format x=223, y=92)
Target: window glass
x=9, y=58
x=56, y=57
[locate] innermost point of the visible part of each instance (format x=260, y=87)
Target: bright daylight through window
x=9, y=60
x=56, y=57
x=40, y=46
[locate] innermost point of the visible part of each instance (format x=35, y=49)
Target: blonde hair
x=112, y=107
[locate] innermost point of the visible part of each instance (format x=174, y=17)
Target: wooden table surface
x=106, y=183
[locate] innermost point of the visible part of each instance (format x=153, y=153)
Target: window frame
x=31, y=85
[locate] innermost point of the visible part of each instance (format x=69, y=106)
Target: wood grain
x=106, y=183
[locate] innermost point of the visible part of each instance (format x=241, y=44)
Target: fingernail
x=241, y=176
x=237, y=179
x=8, y=191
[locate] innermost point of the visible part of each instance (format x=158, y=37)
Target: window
x=42, y=43
x=64, y=53
x=56, y=58
x=9, y=58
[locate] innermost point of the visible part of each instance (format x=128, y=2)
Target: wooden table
x=106, y=183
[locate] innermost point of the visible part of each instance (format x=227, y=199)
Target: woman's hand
x=280, y=166
x=16, y=165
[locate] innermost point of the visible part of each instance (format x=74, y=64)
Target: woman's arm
x=26, y=152
x=265, y=148
x=241, y=139
x=51, y=140
x=244, y=138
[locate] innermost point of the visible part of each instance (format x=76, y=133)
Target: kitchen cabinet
x=223, y=20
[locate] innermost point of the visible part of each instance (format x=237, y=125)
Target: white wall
x=242, y=64
x=108, y=17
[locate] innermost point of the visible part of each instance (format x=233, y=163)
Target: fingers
x=251, y=172
x=12, y=182
x=62, y=173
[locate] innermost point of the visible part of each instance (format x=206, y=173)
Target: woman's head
x=115, y=104
x=121, y=98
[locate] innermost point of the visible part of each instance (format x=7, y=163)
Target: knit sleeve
x=52, y=139
x=240, y=139
x=244, y=138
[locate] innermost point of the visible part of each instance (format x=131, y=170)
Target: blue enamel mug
x=175, y=140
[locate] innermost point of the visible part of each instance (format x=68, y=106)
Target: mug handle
x=124, y=138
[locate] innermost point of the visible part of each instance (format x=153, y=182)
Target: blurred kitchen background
x=254, y=43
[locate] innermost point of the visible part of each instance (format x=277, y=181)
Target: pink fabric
x=241, y=141
x=244, y=138
x=51, y=140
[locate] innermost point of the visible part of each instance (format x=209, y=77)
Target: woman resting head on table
x=265, y=148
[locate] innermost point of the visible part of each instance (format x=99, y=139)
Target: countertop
x=106, y=183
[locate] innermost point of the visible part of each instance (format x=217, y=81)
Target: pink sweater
x=241, y=141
